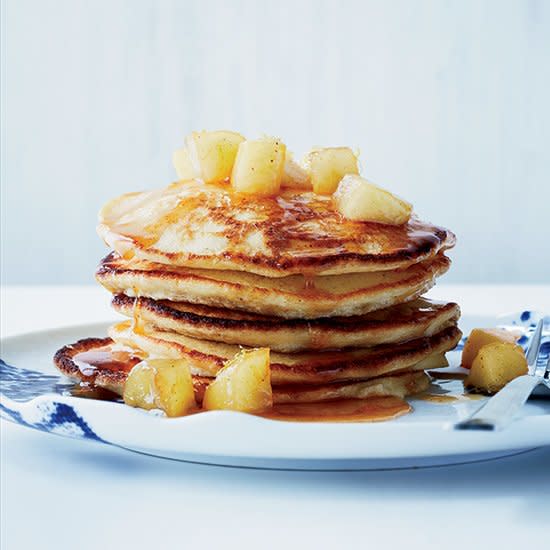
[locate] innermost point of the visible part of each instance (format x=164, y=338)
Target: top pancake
x=208, y=226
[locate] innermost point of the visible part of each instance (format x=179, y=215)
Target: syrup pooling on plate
x=90, y=391
x=375, y=409
x=447, y=387
x=372, y=409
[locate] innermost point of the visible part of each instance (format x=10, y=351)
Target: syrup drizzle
x=89, y=362
x=299, y=225
x=343, y=410
x=450, y=388
x=373, y=409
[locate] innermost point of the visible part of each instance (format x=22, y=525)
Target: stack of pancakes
x=201, y=272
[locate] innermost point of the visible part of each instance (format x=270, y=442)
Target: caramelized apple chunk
x=480, y=337
x=495, y=365
x=295, y=176
x=243, y=384
x=258, y=168
x=360, y=200
x=164, y=384
x=183, y=165
x=211, y=155
x=328, y=166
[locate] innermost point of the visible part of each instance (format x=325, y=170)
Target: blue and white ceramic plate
x=35, y=396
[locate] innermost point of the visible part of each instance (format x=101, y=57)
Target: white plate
x=422, y=438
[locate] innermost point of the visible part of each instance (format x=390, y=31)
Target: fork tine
x=534, y=346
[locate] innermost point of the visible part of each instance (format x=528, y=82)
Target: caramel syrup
x=374, y=409
x=449, y=375
x=88, y=362
x=438, y=398
x=89, y=391
x=450, y=388
x=448, y=398
x=299, y=224
x=137, y=321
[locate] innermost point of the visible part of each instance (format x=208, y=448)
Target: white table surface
x=71, y=494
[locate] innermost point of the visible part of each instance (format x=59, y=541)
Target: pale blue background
x=447, y=100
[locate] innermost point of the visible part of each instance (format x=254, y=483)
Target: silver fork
x=499, y=411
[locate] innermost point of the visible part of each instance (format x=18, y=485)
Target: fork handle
x=501, y=409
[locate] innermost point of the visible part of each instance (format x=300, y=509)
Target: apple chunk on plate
x=495, y=365
x=164, y=384
x=243, y=384
x=480, y=337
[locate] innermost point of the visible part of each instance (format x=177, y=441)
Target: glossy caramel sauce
x=136, y=319
x=90, y=391
x=464, y=395
x=374, y=409
x=438, y=398
x=88, y=362
x=449, y=389
x=291, y=229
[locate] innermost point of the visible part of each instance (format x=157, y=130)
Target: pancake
x=192, y=224
x=399, y=385
x=290, y=297
x=207, y=358
x=399, y=323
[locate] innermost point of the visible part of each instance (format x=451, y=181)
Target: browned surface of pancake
x=207, y=358
x=289, y=297
x=209, y=226
x=396, y=324
x=110, y=374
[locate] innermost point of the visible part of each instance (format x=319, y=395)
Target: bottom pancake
x=100, y=362
x=206, y=358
